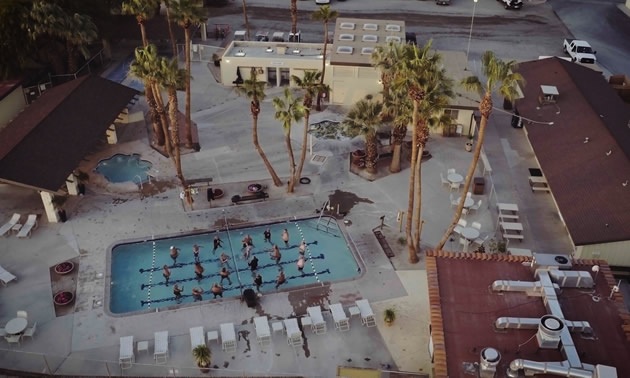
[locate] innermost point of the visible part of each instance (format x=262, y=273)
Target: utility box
x=479, y=185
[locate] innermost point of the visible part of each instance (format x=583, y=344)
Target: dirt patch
x=346, y=200
x=66, y=282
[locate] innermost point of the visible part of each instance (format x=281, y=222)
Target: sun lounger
x=7, y=227
x=28, y=227
x=196, y=337
x=160, y=348
x=367, y=315
x=294, y=335
x=228, y=337
x=318, y=324
x=6, y=277
x=263, y=334
x=339, y=317
x=127, y=358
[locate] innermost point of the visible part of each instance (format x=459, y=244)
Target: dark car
x=512, y=4
x=411, y=38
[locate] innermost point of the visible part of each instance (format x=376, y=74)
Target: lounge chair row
x=22, y=230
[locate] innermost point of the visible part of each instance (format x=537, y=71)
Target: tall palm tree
x=187, y=14
x=255, y=91
x=146, y=68
x=167, y=6
x=144, y=10
x=171, y=77
x=324, y=14
x=311, y=85
x=398, y=108
x=294, y=16
x=500, y=76
x=288, y=110
x=364, y=119
x=246, y=19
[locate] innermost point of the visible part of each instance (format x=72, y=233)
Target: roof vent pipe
x=488, y=361
x=549, y=331
x=531, y=368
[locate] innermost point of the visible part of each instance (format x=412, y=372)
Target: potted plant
x=64, y=267
x=469, y=143
x=63, y=298
x=390, y=316
x=203, y=357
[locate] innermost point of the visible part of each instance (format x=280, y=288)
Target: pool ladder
x=321, y=213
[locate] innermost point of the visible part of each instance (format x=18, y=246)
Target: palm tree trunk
x=287, y=140
x=294, y=16
x=72, y=58
x=143, y=31
x=485, y=108
x=318, y=105
x=298, y=174
x=188, y=130
x=417, y=204
x=398, y=134
x=371, y=152
x=170, y=29
x=157, y=124
x=159, y=105
x=172, y=112
x=411, y=248
x=272, y=172
x=246, y=20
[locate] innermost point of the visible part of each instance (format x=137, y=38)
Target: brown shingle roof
x=586, y=180
x=46, y=142
x=463, y=311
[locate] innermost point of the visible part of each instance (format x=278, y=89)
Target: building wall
x=11, y=105
x=351, y=84
x=464, y=118
x=615, y=253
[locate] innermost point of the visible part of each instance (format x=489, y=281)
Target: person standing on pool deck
x=166, y=273
x=199, y=271
x=174, y=253
x=253, y=265
x=258, y=281
x=302, y=247
x=281, y=279
x=275, y=254
x=196, y=293
x=196, y=252
x=285, y=237
x=178, y=293
x=217, y=290
x=267, y=234
x=225, y=274
x=217, y=243
x=300, y=264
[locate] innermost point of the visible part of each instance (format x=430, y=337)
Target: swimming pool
x=137, y=283
x=123, y=168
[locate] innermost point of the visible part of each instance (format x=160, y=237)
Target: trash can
x=479, y=185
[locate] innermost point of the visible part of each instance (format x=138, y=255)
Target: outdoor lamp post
x=471, y=27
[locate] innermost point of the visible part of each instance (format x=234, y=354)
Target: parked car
x=443, y=2
x=410, y=37
x=580, y=51
x=512, y=4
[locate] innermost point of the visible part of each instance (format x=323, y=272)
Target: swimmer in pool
x=196, y=252
x=302, y=247
x=258, y=281
x=225, y=274
x=247, y=240
x=248, y=250
x=267, y=234
x=300, y=264
x=275, y=254
x=285, y=237
x=217, y=290
x=178, y=293
x=253, y=265
x=281, y=279
x=224, y=258
x=196, y=293
x=217, y=243
x=166, y=273
x=199, y=271
x=174, y=253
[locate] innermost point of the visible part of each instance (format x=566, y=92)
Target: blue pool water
x=137, y=282
x=121, y=72
x=123, y=168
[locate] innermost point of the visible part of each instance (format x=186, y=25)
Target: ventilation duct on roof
x=549, y=331
x=488, y=361
x=572, y=278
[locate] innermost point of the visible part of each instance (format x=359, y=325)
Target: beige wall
x=628, y=3
x=615, y=253
x=11, y=105
x=351, y=84
x=464, y=118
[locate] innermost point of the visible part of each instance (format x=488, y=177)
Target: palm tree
x=288, y=110
x=144, y=10
x=246, y=19
x=500, y=76
x=324, y=14
x=171, y=77
x=311, y=85
x=255, y=91
x=146, y=68
x=294, y=16
x=397, y=107
x=187, y=14
x=364, y=119
x=167, y=6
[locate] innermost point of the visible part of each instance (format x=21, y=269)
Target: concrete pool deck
x=80, y=342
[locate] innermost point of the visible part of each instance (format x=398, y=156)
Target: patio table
x=455, y=178
x=16, y=326
x=468, y=202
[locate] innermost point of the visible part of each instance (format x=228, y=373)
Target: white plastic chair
x=468, y=195
x=13, y=339
x=22, y=314
x=30, y=332
x=461, y=223
x=453, y=200
x=444, y=181
x=455, y=185
x=450, y=171
x=479, y=241
x=476, y=206
x=3, y=333
x=476, y=225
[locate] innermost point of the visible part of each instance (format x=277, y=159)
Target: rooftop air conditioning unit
x=367, y=51
x=393, y=38
x=488, y=361
x=370, y=38
x=549, y=330
x=345, y=50
x=346, y=37
x=347, y=25
x=392, y=28
x=543, y=260
x=370, y=27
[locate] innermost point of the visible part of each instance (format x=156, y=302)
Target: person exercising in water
x=285, y=237
x=302, y=247
x=300, y=264
x=174, y=253
x=275, y=254
x=217, y=243
x=267, y=234
x=166, y=273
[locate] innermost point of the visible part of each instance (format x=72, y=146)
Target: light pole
x=471, y=27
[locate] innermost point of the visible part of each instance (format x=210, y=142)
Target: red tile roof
x=464, y=309
x=585, y=179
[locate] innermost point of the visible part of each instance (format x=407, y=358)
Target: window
x=344, y=50
x=453, y=113
x=370, y=38
x=370, y=27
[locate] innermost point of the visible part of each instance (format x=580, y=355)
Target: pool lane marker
x=151, y=275
x=308, y=250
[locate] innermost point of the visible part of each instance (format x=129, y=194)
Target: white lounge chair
x=6, y=228
x=160, y=347
x=30, y=332
x=318, y=324
x=367, y=315
x=454, y=201
x=6, y=277
x=294, y=335
x=197, y=337
x=339, y=317
x=263, y=333
x=228, y=337
x=28, y=227
x=444, y=180
x=127, y=358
